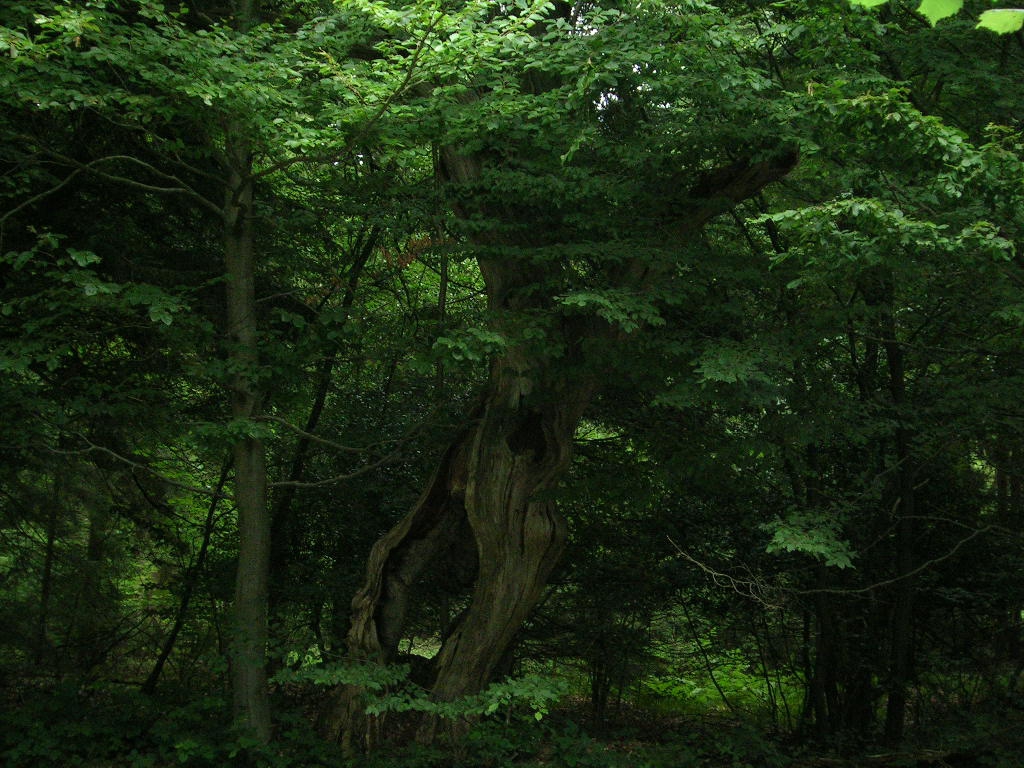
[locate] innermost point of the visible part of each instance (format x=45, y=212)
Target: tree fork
x=395, y=561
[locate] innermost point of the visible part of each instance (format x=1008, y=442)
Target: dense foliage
x=495, y=383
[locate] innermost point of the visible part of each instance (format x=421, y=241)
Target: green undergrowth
x=730, y=688
x=559, y=742
x=516, y=724
x=103, y=726
x=512, y=724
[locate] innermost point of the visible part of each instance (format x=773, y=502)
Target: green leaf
x=868, y=3
x=83, y=258
x=161, y=315
x=936, y=10
x=1002, y=20
x=813, y=534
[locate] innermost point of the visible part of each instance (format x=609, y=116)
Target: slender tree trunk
x=1000, y=461
x=42, y=643
x=283, y=533
x=901, y=650
x=708, y=665
x=92, y=611
x=822, y=682
x=902, y=623
x=442, y=318
x=249, y=626
x=149, y=686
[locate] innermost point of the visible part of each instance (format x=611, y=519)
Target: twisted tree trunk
x=488, y=493
x=486, y=496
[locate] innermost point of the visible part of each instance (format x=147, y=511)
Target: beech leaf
x=936, y=10
x=1002, y=20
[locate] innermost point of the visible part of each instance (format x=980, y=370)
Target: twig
x=310, y=436
x=90, y=167
x=93, y=448
x=44, y=194
x=749, y=588
x=896, y=579
x=337, y=478
x=756, y=591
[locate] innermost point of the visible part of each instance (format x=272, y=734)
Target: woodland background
x=495, y=383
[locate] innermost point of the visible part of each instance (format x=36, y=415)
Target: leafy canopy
x=1000, y=20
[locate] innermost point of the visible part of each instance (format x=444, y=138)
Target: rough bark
x=520, y=449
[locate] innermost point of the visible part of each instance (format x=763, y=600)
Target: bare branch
x=94, y=448
x=902, y=577
x=757, y=590
x=299, y=160
x=750, y=588
x=388, y=458
x=384, y=107
x=181, y=187
x=315, y=438
x=42, y=195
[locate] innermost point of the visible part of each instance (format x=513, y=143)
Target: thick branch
x=719, y=190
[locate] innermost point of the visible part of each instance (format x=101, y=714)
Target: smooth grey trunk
x=249, y=625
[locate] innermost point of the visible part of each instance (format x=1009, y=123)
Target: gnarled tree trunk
x=487, y=495
x=520, y=448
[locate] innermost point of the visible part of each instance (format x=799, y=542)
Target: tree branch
x=756, y=590
x=42, y=195
x=337, y=478
x=90, y=167
x=94, y=448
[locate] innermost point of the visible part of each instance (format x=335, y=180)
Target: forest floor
x=118, y=728
x=989, y=738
